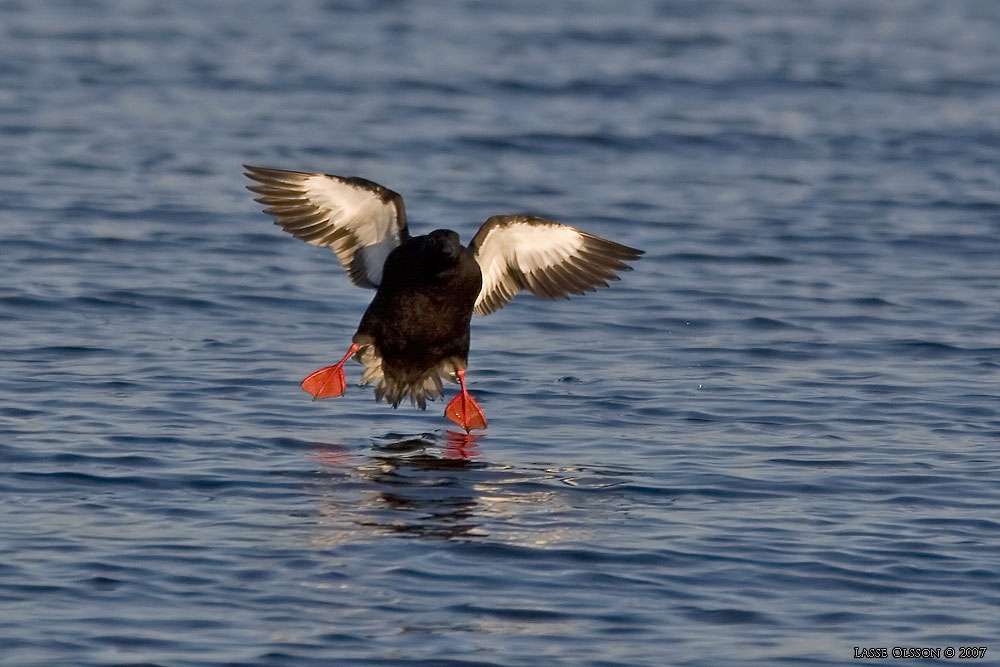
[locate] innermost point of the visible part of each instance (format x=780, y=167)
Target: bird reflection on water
x=409, y=485
x=432, y=486
x=461, y=446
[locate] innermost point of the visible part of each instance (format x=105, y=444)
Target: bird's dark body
x=417, y=326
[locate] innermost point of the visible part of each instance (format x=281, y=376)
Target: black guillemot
x=416, y=330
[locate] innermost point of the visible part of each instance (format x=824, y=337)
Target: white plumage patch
x=360, y=220
x=549, y=259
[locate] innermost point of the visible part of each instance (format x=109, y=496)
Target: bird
x=416, y=331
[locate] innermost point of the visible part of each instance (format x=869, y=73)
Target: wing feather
x=549, y=259
x=361, y=221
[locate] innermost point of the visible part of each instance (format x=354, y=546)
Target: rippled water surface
x=775, y=440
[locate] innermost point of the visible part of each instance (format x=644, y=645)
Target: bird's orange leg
x=464, y=410
x=329, y=381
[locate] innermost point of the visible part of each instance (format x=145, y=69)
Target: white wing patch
x=549, y=259
x=360, y=220
x=512, y=256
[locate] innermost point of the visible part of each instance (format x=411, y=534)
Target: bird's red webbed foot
x=464, y=410
x=329, y=381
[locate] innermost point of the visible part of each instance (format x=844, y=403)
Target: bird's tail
x=395, y=383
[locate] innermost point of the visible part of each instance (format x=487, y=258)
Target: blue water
x=775, y=440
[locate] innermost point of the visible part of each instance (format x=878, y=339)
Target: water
x=776, y=440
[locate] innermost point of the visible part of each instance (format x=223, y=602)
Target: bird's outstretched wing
x=360, y=220
x=549, y=259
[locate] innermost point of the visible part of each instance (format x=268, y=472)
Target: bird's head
x=445, y=243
